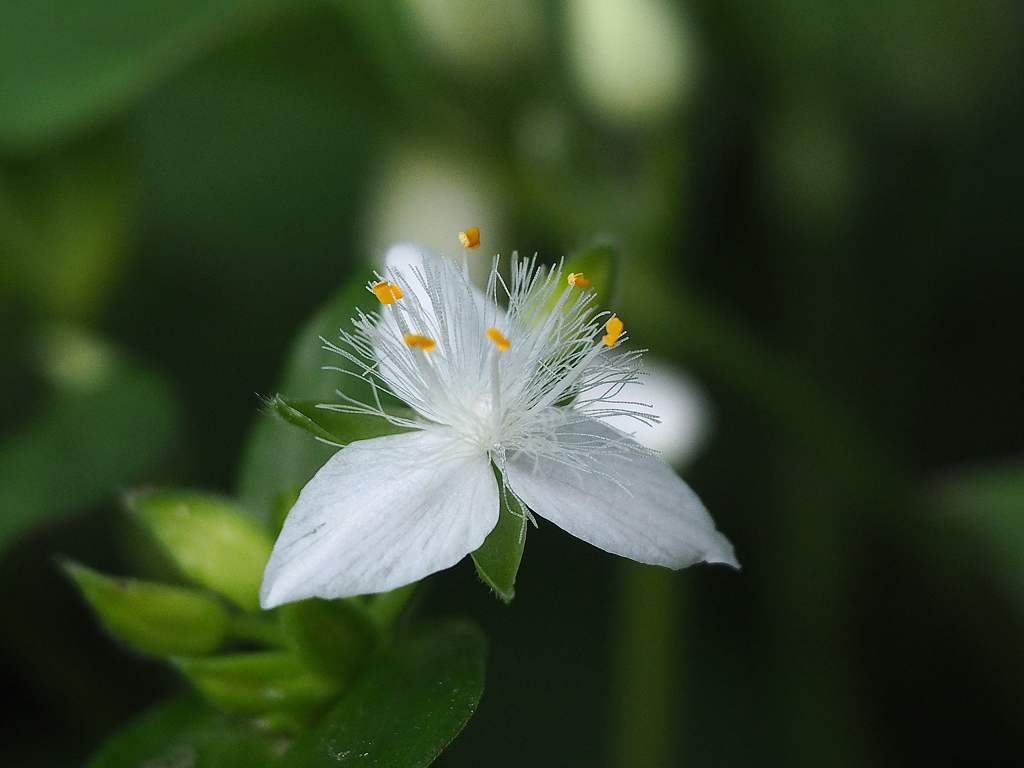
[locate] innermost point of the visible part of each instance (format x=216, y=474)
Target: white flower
x=525, y=389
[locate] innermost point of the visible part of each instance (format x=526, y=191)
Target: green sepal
x=154, y=618
x=276, y=685
x=189, y=728
x=599, y=264
x=209, y=540
x=497, y=560
x=337, y=427
x=406, y=708
x=334, y=637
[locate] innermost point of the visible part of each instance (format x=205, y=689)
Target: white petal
x=624, y=502
x=380, y=514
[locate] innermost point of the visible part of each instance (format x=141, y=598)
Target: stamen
x=388, y=293
x=423, y=342
x=614, y=327
x=577, y=279
x=470, y=238
x=499, y=340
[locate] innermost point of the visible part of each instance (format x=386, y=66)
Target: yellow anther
x=470, y=238
x=577, y=279
x=423, y=342
x=388, y=293
x=614, y=328
x=499, y=340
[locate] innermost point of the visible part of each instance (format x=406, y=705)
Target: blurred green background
x=821, y=211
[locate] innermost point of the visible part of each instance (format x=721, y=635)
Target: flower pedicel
x=525, y=389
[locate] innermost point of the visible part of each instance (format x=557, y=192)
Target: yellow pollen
x=577, y=279
x=499, y=340
x=615, y=327
x=388, y=293
x=423, y=342
x=470, y=238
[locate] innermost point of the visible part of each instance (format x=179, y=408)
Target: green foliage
x=67, y=65
x=65, y=224
x=335, y=426
x=408, y=705
x=55, y=465
x=188, y=731
x=406, y=708
x=274, y=686
x=209, y=540
x=334, y=637
x=155, y=618
x=278, y=457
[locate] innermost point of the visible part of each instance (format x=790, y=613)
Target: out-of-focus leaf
x=279, y=458
x=333, y=637
x=209, y=539
x=497, y=560
x=109, y=422
x=67, y=65
x=64, y=222
x=156, y=618
x=405, y=708
x=268, y=683
x=189, y=732
x=599, y=264
x=988, y=503
x=336, y=426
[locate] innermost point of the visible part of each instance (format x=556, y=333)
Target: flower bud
x=209, y=539
x=155, y=618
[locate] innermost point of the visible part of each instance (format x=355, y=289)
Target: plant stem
x=646, y=717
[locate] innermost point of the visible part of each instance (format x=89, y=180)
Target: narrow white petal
x=380, y=514
x=625, y=502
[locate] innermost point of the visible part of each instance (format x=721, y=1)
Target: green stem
x=647, y=665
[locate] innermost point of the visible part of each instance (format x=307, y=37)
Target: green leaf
x=599, y=264
x=334, y=637
x=497, y=560
x=273, y=684
x=406, y=708
x=65, y=221
x=209, y=539
x=155, y=618
x=108, y=423
x=188, y=731
x=277, y=457
x=67, y=65
x=336, y=426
